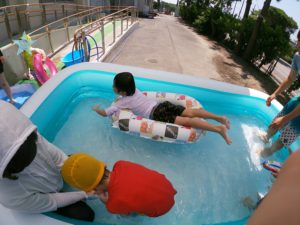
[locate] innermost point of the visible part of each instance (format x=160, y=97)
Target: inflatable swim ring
x=272, y=166
x=126, y=121
x=39, y=68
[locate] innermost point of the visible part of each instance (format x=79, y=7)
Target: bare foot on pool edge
x=224, y=121
x=223, y=132
x=11, y=101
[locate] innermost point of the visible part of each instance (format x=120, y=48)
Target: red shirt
x=136, y=189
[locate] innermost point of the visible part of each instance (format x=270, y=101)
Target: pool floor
x=210, y=177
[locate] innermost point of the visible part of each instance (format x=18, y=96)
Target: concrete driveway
x=165, y=43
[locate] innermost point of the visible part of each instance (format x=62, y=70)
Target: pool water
x=211, y=178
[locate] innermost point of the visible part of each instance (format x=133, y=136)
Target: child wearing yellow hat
x=128, y=188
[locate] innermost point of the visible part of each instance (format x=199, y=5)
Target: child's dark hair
x=105, y=177
x=125, y=82
x=23, y=157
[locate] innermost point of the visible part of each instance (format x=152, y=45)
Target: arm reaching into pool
x=101, y=112
x=42, y=202
x=105, y=112
x=280, y=121
x=284, y=85
x=295, y=71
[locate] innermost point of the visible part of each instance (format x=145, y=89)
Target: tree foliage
x=272, y=38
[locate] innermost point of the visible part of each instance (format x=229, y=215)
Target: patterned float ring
x=126, y=121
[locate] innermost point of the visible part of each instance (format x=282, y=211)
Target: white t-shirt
x=138, y=103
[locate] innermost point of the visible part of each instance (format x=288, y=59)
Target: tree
x=247, y=9
x=254, y=34
x=241, y=37
x=273, y=37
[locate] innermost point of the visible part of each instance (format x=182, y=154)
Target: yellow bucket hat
x=83, y=171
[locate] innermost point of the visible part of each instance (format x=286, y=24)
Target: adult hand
x=277, y=123
x=270, y=99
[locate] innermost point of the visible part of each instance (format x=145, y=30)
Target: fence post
x=66, y=25
x=131, y=16
x=55, y=14
x=102, y=36
x=44, y=18
x=27, y=18
x=114, y=29
x=63, y=10
x=127, y=21
x=49, y=37
x=7, y=25
x=19, y=21
x=121, y=24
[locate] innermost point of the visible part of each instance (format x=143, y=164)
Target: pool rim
x=37, y=98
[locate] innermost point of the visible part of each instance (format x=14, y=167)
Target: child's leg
x=268, y=151
x=265, y=137
x=198, y=123
x=271, y=132
x=205, y=115
x=4, y=84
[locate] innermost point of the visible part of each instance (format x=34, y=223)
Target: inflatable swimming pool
x=50, y=102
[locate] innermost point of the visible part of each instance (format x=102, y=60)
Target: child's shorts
x=291, y=130
x=167, y=112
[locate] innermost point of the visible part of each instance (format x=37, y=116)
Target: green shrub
x=188, y=13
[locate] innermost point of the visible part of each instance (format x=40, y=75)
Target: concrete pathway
x=165, y=43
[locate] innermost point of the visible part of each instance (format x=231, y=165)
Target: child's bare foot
x=263, y=136
x=222, y=130
x=11, y=101
x=225, y=121
x=265, y=152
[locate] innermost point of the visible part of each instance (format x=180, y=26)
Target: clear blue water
x=211, y=178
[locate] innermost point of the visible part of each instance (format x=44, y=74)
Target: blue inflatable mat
x=21, y=93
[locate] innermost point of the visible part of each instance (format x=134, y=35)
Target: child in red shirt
x=128, y=188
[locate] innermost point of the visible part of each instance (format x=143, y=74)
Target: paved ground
x=165, y=43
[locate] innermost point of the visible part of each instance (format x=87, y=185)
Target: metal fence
x=57, y=36
x=15, y=19
x=126, y=17
x=54, y=36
